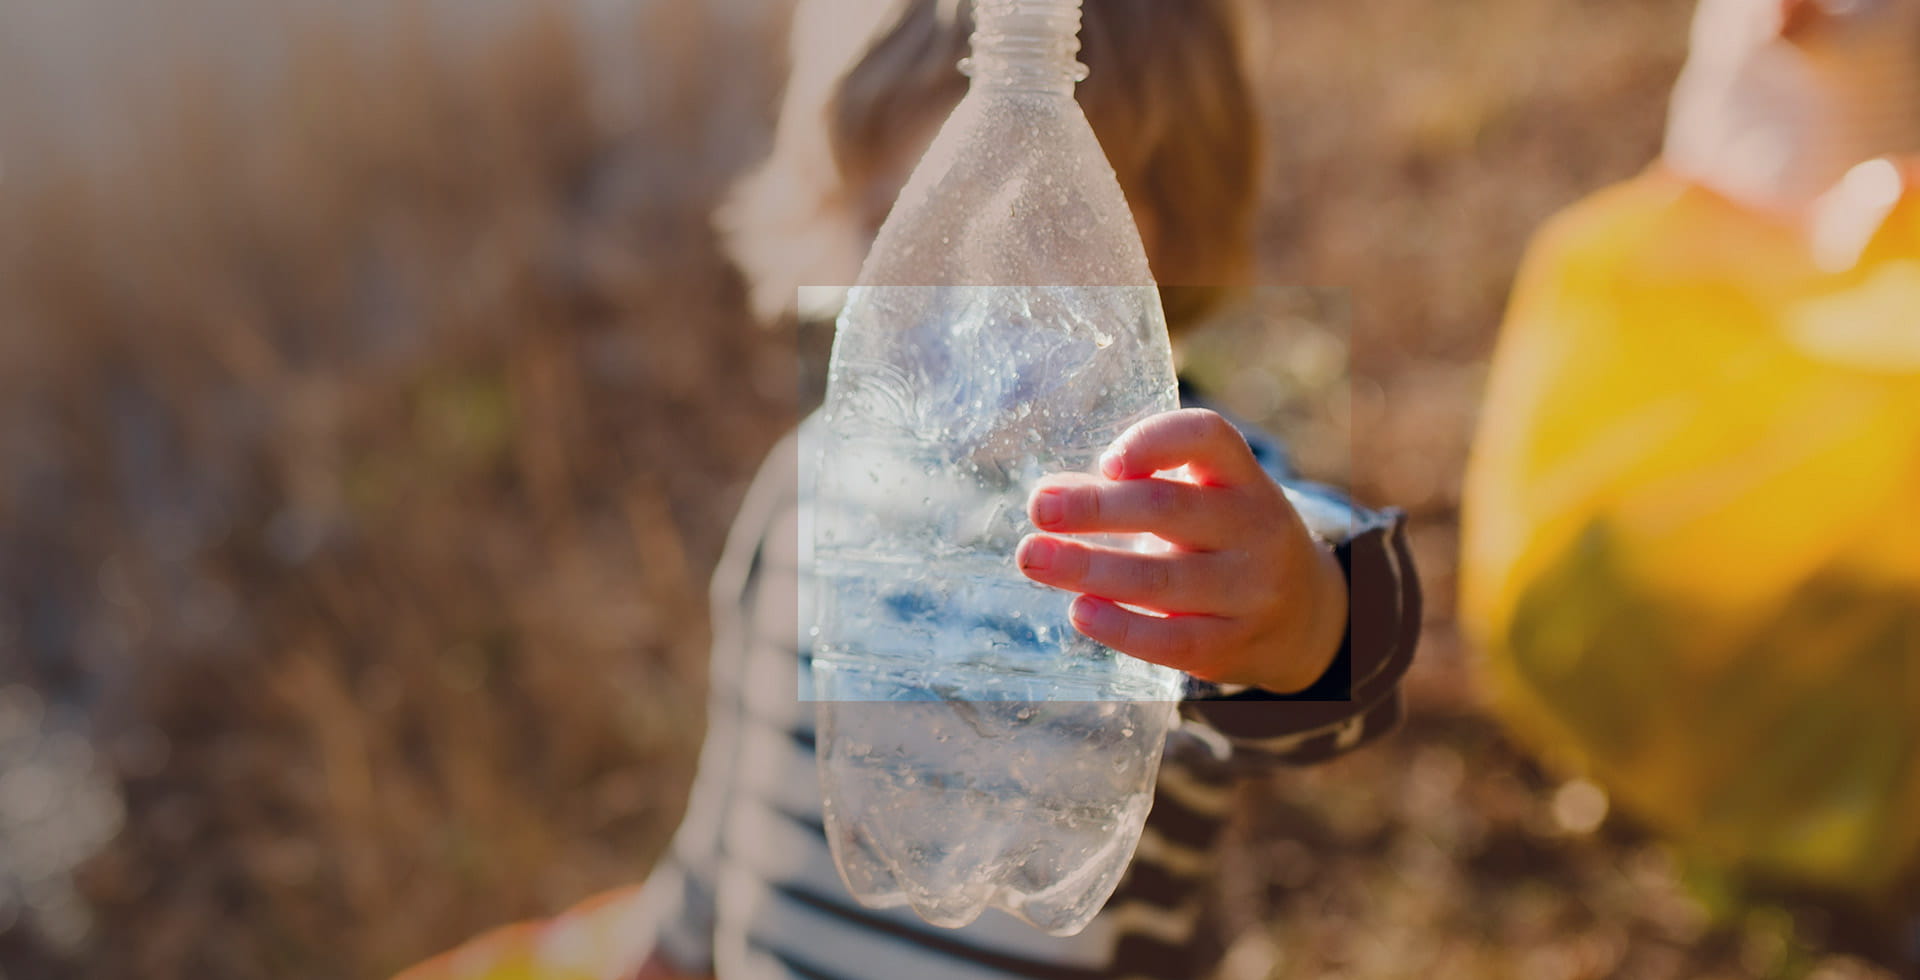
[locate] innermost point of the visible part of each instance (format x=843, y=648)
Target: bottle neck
x=1026, y=45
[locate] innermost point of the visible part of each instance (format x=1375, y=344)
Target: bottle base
x=952, y=807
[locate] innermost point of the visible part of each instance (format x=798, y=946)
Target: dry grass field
x=369, y=427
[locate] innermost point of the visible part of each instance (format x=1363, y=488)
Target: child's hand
x=1246, y=595
x=657, y=968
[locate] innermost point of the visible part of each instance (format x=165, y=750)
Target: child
x=1265, y=603
x=1688, y=553
x=1267, y=576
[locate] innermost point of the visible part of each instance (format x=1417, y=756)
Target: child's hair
x=1169, y=97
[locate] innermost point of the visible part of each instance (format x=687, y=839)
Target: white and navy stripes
x=749, y=887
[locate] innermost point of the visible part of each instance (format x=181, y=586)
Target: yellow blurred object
x=604, y=938
x=1691, y=550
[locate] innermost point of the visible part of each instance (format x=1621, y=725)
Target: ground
x=364, y=460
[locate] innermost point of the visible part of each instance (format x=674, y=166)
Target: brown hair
x=1168, y=96
x=871, y=81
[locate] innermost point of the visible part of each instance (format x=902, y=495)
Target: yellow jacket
x=1691, y=548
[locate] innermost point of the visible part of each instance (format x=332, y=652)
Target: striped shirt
x=749, y=891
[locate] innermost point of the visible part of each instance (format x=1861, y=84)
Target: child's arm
x=753, y=610
x=1247, y=596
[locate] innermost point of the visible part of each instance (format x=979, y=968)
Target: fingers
x=1171, y=581
x=1185, y=514
x=1180, y=642
x=1215, y=452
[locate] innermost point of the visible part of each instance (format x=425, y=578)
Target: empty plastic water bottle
x=975, y=750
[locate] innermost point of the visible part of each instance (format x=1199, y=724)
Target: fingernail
x=1037, y=554
x=1048, y=508
x=1111, y=464
x=1084, y=612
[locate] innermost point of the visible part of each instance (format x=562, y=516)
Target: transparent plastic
x=974, y=749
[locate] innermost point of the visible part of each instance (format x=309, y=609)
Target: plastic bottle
x=975, y=750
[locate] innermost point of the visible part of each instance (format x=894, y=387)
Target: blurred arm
x=686, y=876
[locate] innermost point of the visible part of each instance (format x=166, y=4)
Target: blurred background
x=374, y=398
